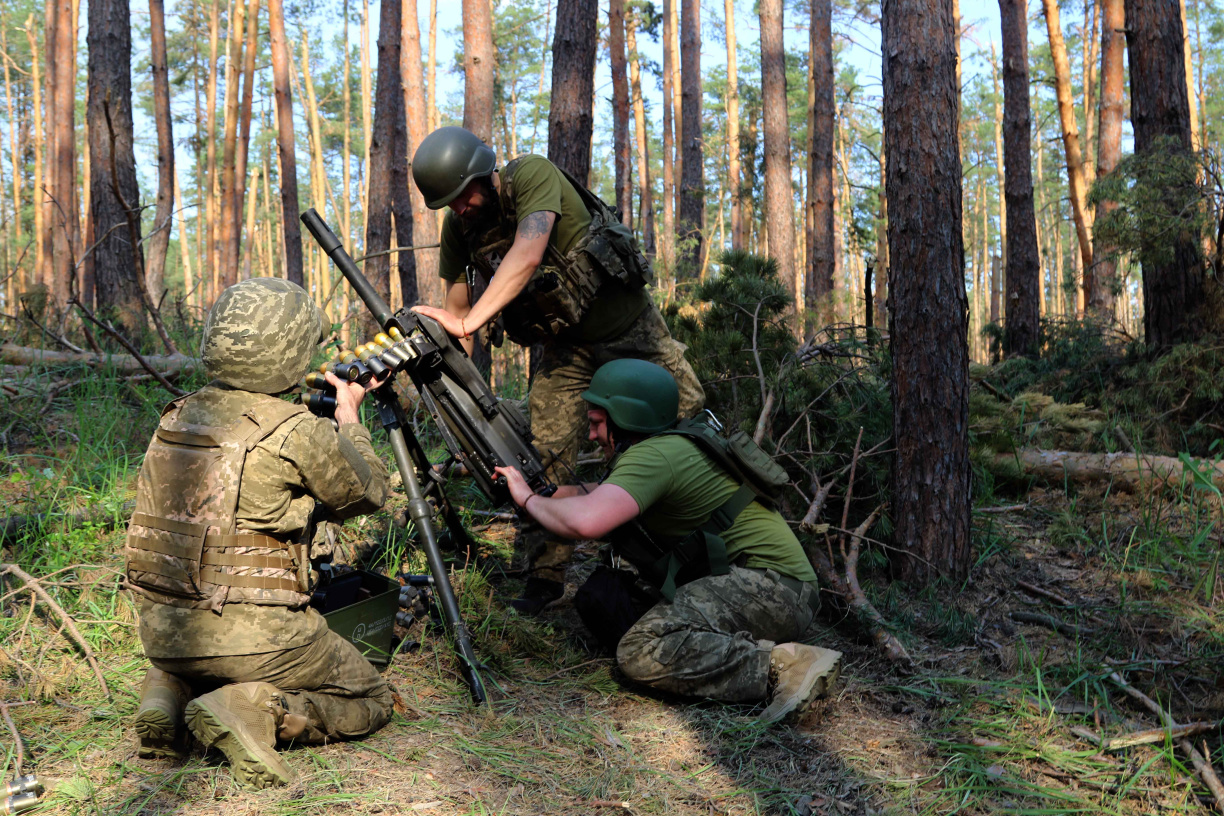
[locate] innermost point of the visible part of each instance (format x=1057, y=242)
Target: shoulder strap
x=711, y=444
x=595, y=205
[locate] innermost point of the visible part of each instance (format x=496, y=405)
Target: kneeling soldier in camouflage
x=737, y=589
x=219, y=547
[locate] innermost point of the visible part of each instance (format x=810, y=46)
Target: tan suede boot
x=242, y=720
x=159, y=719
x=799, y=674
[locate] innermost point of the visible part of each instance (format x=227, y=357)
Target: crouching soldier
x=218, y=550
x=737, y=589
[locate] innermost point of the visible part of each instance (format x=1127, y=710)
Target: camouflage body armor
x=563, y=287
x=182, y=546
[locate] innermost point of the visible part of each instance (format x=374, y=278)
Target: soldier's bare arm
x=590, y=515
x=524, y=255
x=458, y=302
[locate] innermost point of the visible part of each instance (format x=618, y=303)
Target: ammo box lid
x=368, y=623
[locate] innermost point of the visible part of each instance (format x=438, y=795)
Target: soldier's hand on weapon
x=454, y=325
x=520, y=491
x=349, y=396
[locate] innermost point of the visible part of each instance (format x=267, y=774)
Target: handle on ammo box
x=330, y=244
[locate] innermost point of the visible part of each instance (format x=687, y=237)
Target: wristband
x=529, y=498
x=463, y=335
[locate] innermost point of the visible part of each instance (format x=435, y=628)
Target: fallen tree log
x=1134, y=473
x=124, y=363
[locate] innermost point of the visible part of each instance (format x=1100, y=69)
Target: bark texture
x=570, y=115
x=65, y=221
x=417, y=115
x=1109, y=146
x=928, y=314
x=818, y=289
x=692, y=183
x=620, y=110
x=163, y=217
x=1070, y=137
x=1023, y=264
x=779, y=203
x=667, y=236
x=285, y=142
x=389, y=165
x=645, y=187
x=479, y=65
x=113, y=193
x=733, y=135
x=1160, y=113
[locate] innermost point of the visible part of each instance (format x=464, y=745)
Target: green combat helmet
x=639, y=396
x=260, y=335
x=447, y=161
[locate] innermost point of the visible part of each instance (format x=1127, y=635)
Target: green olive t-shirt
x=677, y=487
x=538, y=186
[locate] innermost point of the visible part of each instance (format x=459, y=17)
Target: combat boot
x=537, y=594
x=243, y=720
x=159, y=719
x=798, y=674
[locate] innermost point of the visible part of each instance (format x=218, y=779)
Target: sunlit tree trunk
x=667, y=238
x=733, y=137
x=691, y=215
x=40, y=195
x=1091, y=19
x=66, y=224
x=416, y=112
x=999, y=164
x=645, y=188
x=1071, y=142
x=779, y=202
x=431, y=102
x=1023, y=263
x=930, y=385
x=208, y=193
x=620, y=111
x=478, y=68
x=14, y=144
x=570, y=114
x=1195, y=131
x=346, y=167
x=818, y=292
x=244, y=128
x=285, y=143
x=163, y=217
x=1109, y=146
x=230, y=206
x=1160, y=112
x=367, y=103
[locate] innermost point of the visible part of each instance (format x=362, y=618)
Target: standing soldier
x=560, y=270
x=219, y=547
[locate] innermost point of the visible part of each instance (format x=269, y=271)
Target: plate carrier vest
x=563, y=287
x=182, y=546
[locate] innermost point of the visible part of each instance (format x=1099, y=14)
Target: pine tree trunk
x=1090, y=54
x=68, y=235
x=429, y=286
x=691, y=214
x=367, y=103
x=1160, y=112
x=230, y=206
x=114, y=194
x=346, y=165
x=999, y=162
x=667, y=239
x=388, y=102
x=1023, y=267
x=244, y=129
x=1070, y=136
x=41, y=235
x=1195, y=132
x=620, y=111
x=208, y=193
x=733, y=135
x=818, y=295
x=570, y=114
x=645, y=189
x=930, y=387
x=478, y=68
x=163, y=218
x=779, y=203
x=882, y=264
x=1109, y=147
x=285, y=143
x=51, y=220
x=14, y=147
x=431, y=102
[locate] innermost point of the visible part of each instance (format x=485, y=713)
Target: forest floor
x=1122, y=583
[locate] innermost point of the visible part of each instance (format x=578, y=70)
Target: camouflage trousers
x=341, y=695
x=558, y=412
x=714, y=639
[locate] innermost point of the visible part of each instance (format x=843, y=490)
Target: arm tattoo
x=534, y=225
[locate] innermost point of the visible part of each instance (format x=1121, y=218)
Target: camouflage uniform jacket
x=303, y=462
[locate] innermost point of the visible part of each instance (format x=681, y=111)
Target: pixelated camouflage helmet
x=447, y=161
x=639, y=396
x=260, y=335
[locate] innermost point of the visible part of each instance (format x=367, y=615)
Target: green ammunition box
x=365, y=614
